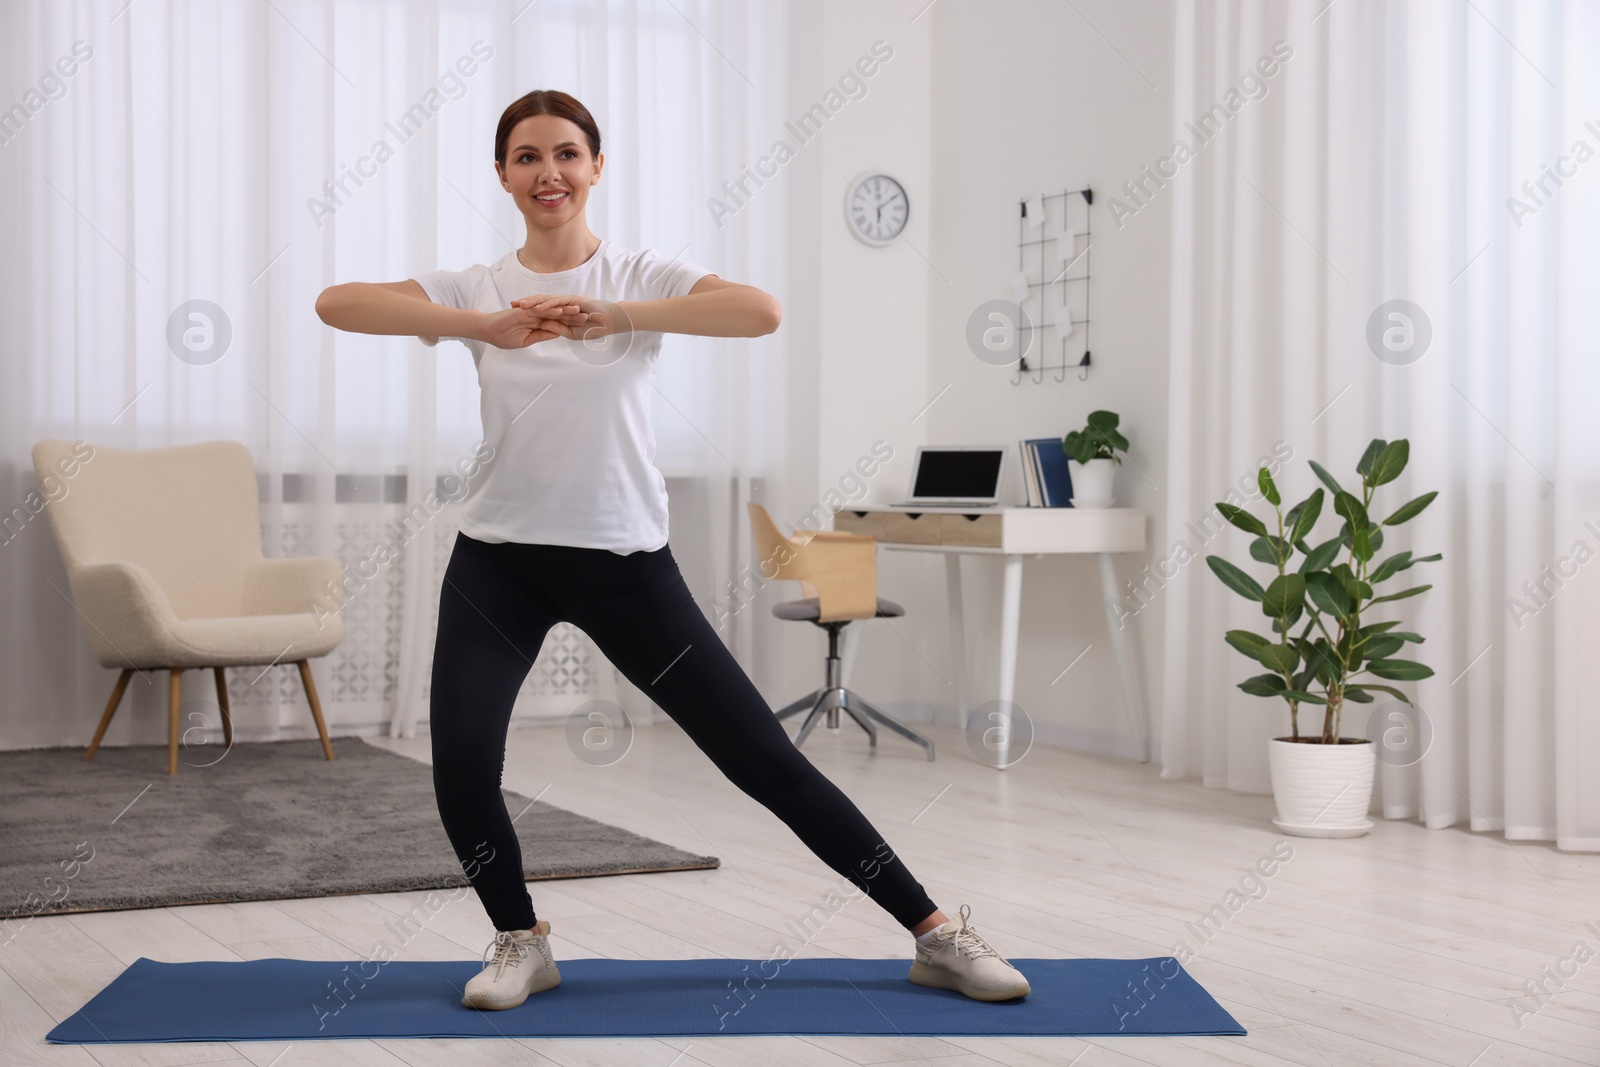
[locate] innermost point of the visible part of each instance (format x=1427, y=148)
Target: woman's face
x=547, y=155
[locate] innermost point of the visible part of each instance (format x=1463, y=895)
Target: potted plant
x=1092, y=459
x=1322, y=651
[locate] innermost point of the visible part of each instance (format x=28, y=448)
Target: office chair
x=838, y=572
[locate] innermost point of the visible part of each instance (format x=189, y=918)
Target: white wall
x=859, y=315
x=981, y=105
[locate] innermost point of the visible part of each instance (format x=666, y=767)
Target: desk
x=1014, y=532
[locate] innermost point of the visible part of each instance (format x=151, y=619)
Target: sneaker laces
x=967, y=940
x=505, y=948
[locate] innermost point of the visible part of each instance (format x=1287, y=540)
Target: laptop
x=966, y=476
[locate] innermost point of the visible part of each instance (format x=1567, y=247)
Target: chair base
x=830, y=700
x=175, y=702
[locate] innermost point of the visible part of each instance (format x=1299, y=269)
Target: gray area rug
x=267, y=821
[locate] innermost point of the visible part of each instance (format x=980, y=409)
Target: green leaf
x=1320, y=557
x=1303, y=516
x=1402, y=670
x=1356, y=694
x=1361, y=545
x=1093, y=442
x=1358, y=590
x=1301, y=696
x=1242, y=519
x=1328, y=594
x=1390, y=462
x=1405, y=635
x=1280, y=658
x=1369, y=686
x=1103, y=420
x=1379, y=647
x=1245, y=641
x=1270, y=549
x=1280, y=625
x=1402, y=595
x=1327, y=666
x=1268, y=490
x=1348, y=506
x=1390, y=567
x=1287, y=592
x=1374, y=536
x=1236, y=579
x=1369, y=458
x=1084, y=446
x=1324, y=477
x=1263, y=685
x=1410, y=509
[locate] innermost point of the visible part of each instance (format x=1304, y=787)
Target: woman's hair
x=545, y=102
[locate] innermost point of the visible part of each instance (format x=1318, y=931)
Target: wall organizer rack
x=1055, y=272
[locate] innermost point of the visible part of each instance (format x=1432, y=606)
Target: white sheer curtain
x=1381, y=164
x=250, y=154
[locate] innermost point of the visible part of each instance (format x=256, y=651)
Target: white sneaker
x=957, y=958
x=522, y=965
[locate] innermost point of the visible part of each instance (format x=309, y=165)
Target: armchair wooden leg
x=174, y=702
x=222, y=702
x=111, y=709
x=316, y=708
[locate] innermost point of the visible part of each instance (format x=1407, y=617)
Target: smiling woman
x=569, y=524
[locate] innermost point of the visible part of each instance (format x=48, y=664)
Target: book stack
x=1044, y=472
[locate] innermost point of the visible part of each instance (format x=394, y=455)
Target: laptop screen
x=963, y=473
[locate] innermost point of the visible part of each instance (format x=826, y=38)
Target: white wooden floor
x=1401, y=948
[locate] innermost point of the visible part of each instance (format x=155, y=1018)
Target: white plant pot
x=1322, y=790
x=1091, y=482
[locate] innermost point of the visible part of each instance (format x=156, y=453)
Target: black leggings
x=496, y=605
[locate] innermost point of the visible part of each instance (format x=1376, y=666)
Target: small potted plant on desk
x=1092, y=459
x=1321, y=651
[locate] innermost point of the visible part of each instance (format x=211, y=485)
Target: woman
x=569, y=523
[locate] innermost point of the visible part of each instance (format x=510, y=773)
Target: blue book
x=1054, y=476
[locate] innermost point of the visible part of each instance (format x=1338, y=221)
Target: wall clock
x=876, y=209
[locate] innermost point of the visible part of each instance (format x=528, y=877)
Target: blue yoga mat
x=278, y=999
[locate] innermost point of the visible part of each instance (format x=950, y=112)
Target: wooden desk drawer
x=980, y=530
x=918, y=528
x=870, y=523
x=921, y=528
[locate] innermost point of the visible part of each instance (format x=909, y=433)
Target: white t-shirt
x=569, y=423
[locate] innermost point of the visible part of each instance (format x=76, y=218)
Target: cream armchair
x=163, y=554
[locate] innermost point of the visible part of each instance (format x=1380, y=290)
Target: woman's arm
x=394, y=308
x=713, y=308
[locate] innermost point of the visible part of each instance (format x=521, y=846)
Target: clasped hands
x=532, y=319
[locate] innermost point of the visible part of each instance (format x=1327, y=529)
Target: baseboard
x=1114, y=743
